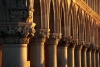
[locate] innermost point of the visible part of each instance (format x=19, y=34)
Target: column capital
x=80, y=42
x=78, y=47
x=64, y=42
x=73, y=43
x=98, y=50
x=85, y=47
x=53, y=39
x=92, y=46
x=55, y=35
x=42, y=33
x=16, y=33
x=40, y=36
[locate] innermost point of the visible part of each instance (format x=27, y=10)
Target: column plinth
x=71, y=58
x=37, y=48
x=78, y=55
x=83, y=56
x=62, y=60
x=51, y=50
x=14, y=39
x=89, y=61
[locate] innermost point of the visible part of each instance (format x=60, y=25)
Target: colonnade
x=73, y=37
x=66, y=34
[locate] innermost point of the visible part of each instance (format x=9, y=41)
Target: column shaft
x=62, y=57
x=93, y=58
x=37, y=53
x=71, y=57
x=0, y=55
x=62, y=52
x=89, y=63
x=14, y=55
x=71, y=60
x=51, y=51
x=97, y=59
x=83, y=57
x=50, y=55
x=78, y=56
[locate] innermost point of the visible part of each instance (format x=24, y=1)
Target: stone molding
x=14, y=33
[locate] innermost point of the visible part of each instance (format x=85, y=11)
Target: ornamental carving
x=74, y=41
x=16, y=34
x=65, y=41
x=42, y=33
x=18, y=14
x=80, y=42
x=92, y=46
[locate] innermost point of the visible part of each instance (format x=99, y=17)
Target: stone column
x=93, y=56
x=78, y=55
x=0, y=55
x=14, y=38
x=71, y=47
x=51, y=50
x=89, y=61
x=62, y=60
x=83, y=56
x=37, y=48
x=97, y=58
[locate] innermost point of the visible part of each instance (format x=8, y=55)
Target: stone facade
x=49, y=33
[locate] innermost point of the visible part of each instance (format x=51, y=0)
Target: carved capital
x=93, y=47
x=78, y=47
x=74, y=41
x=42, y=33
x=99, y=50
x=55, y=35
x=53, y=39
x=85, y=46
x=80, y=42
x=40, y=36
x=16, y=33
x=64, y=42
